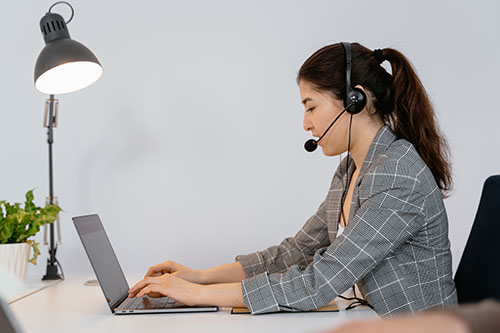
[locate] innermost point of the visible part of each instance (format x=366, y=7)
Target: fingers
x=141, y=284
x=154, y=270
x=154, y=289
x=154, y=294
x=164, y=267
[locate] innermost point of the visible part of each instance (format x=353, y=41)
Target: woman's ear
x=360, y=87
x=370, y=109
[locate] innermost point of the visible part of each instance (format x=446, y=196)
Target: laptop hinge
x=120, y=300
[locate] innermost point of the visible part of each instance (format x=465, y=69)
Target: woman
x=387, y=194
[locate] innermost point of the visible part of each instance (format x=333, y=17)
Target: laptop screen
x=102, y=257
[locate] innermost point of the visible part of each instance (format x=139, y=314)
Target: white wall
x=193, y=136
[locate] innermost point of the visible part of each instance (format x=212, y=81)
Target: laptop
x=8, y=323
x=111, y=278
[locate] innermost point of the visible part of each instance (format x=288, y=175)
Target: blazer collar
x=384, y=138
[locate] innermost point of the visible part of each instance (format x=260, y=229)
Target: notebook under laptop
x=111, y=278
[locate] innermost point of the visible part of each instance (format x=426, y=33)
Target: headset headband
x=348, y=66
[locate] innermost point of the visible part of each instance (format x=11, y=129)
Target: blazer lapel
x=385, y=137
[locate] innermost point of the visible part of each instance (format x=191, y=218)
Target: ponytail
x=413, y=119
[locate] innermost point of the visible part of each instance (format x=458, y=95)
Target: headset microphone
x=311, y=145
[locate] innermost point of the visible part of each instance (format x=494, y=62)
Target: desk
x=70, y=306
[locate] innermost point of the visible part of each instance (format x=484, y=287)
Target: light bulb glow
x=68, y=77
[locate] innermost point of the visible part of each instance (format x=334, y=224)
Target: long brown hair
x=400, y=98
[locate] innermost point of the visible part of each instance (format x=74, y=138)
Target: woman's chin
x=327, y=152
x=330, y=152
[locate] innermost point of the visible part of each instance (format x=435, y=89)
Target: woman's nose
x=307, y=123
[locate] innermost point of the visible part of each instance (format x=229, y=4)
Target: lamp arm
x=52, y=272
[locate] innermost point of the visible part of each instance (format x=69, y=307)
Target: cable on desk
x=357, y=301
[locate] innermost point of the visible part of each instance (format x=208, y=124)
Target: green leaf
x=9, y=227
x=36, y=251
x=29, y=206
x=11, y=209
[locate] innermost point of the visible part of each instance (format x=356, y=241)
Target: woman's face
x=321, y=109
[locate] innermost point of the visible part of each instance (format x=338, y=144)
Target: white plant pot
x=14, y=258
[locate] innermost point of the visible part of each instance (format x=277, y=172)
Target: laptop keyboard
x=150, y=303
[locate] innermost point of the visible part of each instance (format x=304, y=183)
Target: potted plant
x=17, y=225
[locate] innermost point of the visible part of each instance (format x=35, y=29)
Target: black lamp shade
x=64, y=65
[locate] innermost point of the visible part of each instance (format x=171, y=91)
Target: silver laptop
x=111, y=278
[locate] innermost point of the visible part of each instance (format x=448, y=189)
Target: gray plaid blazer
x=395, y=245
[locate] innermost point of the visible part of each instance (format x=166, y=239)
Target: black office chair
x=478, y=274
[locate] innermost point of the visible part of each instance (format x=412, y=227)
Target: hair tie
x=379, y=56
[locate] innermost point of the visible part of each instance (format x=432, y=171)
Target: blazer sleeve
x=388, y=216
x=293, y=250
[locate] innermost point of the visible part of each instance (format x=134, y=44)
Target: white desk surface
x=70, y=306
x=33, y=284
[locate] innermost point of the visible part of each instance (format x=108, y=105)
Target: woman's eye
x=310, y=109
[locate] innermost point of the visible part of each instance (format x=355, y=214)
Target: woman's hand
x=178, y=270
x=223, y=294
x=167, y=285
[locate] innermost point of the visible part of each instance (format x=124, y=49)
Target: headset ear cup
x=359, y=96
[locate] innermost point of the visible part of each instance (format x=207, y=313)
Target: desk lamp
x=63, y=66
